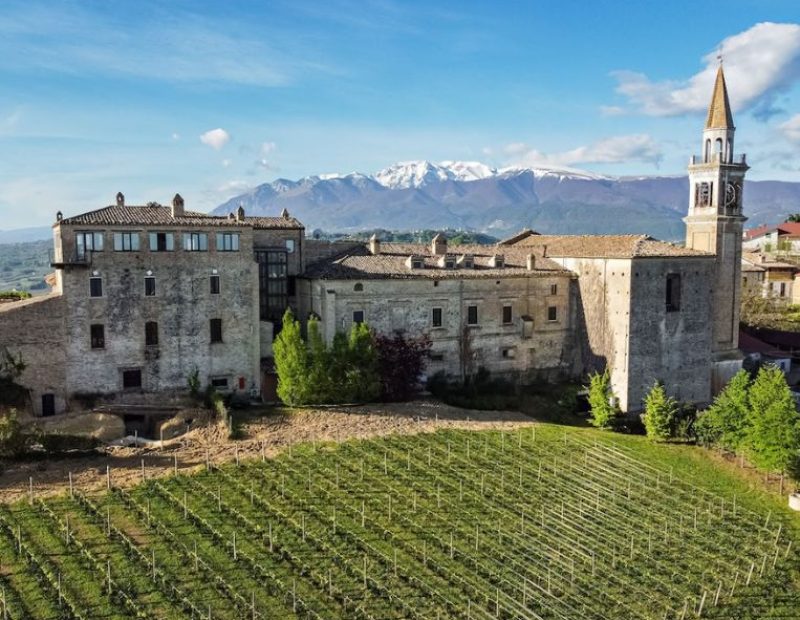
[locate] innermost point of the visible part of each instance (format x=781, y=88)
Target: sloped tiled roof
x=159, y=215
x=605, y=246
x=719, y=112
x=786, y=228
x=359, y=263
x=755, y=259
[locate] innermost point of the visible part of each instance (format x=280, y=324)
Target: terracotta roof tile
x=606, y=246
x=159, y=215
x=358, y=263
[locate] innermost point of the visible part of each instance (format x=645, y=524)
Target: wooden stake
x=71, y=490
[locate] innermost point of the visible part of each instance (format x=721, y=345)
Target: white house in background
x=781, y=237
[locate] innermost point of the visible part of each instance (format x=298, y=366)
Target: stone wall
x=407, y=304
x=36, y=329
x=182, y=308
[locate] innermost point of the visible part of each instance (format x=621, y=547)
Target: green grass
x=546, y=522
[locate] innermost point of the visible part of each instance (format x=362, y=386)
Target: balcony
x=738, y=160
x=74, y=260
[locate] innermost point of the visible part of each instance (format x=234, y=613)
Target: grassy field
x=546, y=522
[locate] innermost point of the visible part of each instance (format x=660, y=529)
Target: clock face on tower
x=731, y=194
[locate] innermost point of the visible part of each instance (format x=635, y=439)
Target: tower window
x=131, y=379
x=214, y=285
x=95, y=287
x=472, y=315
x=507, y=315
x=215, y=326
x=358, y=316
x=151, y=333
x=97, y=335
x=673, y=292
x=436, y=317
x=702, y=195
x=552, y=313
x=149, y=286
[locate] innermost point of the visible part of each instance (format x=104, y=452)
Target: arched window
x=718, y=148
x=358, y=287
x=707, y=154
x=729, y=152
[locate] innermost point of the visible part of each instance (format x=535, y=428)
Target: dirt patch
x=102, y=426
x=268, y=434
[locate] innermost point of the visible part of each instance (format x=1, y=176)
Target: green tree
x=13, y=440
x=318, y=379
x=725, y=422
x=773, y=433
x=660, y=411
x=602, y=403
x=363, y=377
x=291, y=362
x=793, y=217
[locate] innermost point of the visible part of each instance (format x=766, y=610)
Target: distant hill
x=23, y=266
x=22, y=235
x=473, y=196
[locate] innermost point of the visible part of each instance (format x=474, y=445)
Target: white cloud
x=226, y=163
x=267, y=148
x=233, y=187
x=759, y=63
x=791, y=129
x=215, y=138
x=614, y=150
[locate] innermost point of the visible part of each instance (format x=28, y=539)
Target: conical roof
x=719, y=112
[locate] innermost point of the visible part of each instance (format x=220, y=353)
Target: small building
x=763, y=275
x=776, y=238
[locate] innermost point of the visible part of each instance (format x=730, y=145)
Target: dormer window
x=415, y=262
x=466, y=261
x=497, y=261
x=449, y=263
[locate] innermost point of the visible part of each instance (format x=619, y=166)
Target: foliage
x=291, y=362
x=11, y=368
x=401, y=362
x=60, y=443
x=660, y=412
x=481, y=391
x=602, y=402
x=193, y=381
x=454, y=237
x=23, y=266
x=793, y=217
x=14, y=295
x=724, y=423
x=311, y=372
x=769, y=312
x=773, y=434
x=14, y=442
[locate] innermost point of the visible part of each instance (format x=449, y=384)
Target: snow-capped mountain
x=472, y=195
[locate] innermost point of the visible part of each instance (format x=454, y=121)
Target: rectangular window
x=507, y=315
x=220, y=382
x=290, y=246
x=472, y=315
x=227, y=242
x=437, y=357
x=783, y=289
x=95, y=287
x=214, y=285
x=195, y=242
x=554, y=289
x=673, y=292
x=87, y=242
x=126, y=242
x=436, y=317
x=216, y=330
x=162, y=242
x=358, y=316
x=131, y=379
x=508, y=353
x=151, y=333
x=272, y=285
x=552, y=313
x=149, y=286
x=98, y=336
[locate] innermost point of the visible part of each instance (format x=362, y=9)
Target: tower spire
x=719, y=112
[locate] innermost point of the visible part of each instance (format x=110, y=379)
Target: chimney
x=59, y=216
x=285, y=214
x=374, y=245
x=120, y=199
x=240, y=214
x=544, y=251
x=177, y=206
x=530, y=262
x=439, y=245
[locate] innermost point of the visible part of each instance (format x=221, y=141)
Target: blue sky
x=210, y=98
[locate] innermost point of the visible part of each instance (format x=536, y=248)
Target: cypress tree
x=291, y=362
x=602, y=403
x=660, y=411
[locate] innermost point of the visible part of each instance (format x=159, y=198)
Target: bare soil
x=267, y=431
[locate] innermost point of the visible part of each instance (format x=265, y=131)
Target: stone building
x=145, y=295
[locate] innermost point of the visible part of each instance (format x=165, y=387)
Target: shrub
x=602, y=402
x=725, y=422
x=14, y=295
x=772, y=437
x=660, y=412
x=193, y=381
x=13, y=441
x=401, y=361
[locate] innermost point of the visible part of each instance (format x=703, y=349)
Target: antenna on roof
x=719, y=56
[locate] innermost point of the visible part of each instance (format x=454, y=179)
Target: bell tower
x=715, y=222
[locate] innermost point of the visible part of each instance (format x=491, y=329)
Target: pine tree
x=291, y=362
x=602, y=402
x=363, y=377
x=725, y=422
x=660, y=411
x=773, y=433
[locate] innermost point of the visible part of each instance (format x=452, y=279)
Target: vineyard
x=542, y=522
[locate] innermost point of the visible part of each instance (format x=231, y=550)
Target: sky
x=210, y=99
